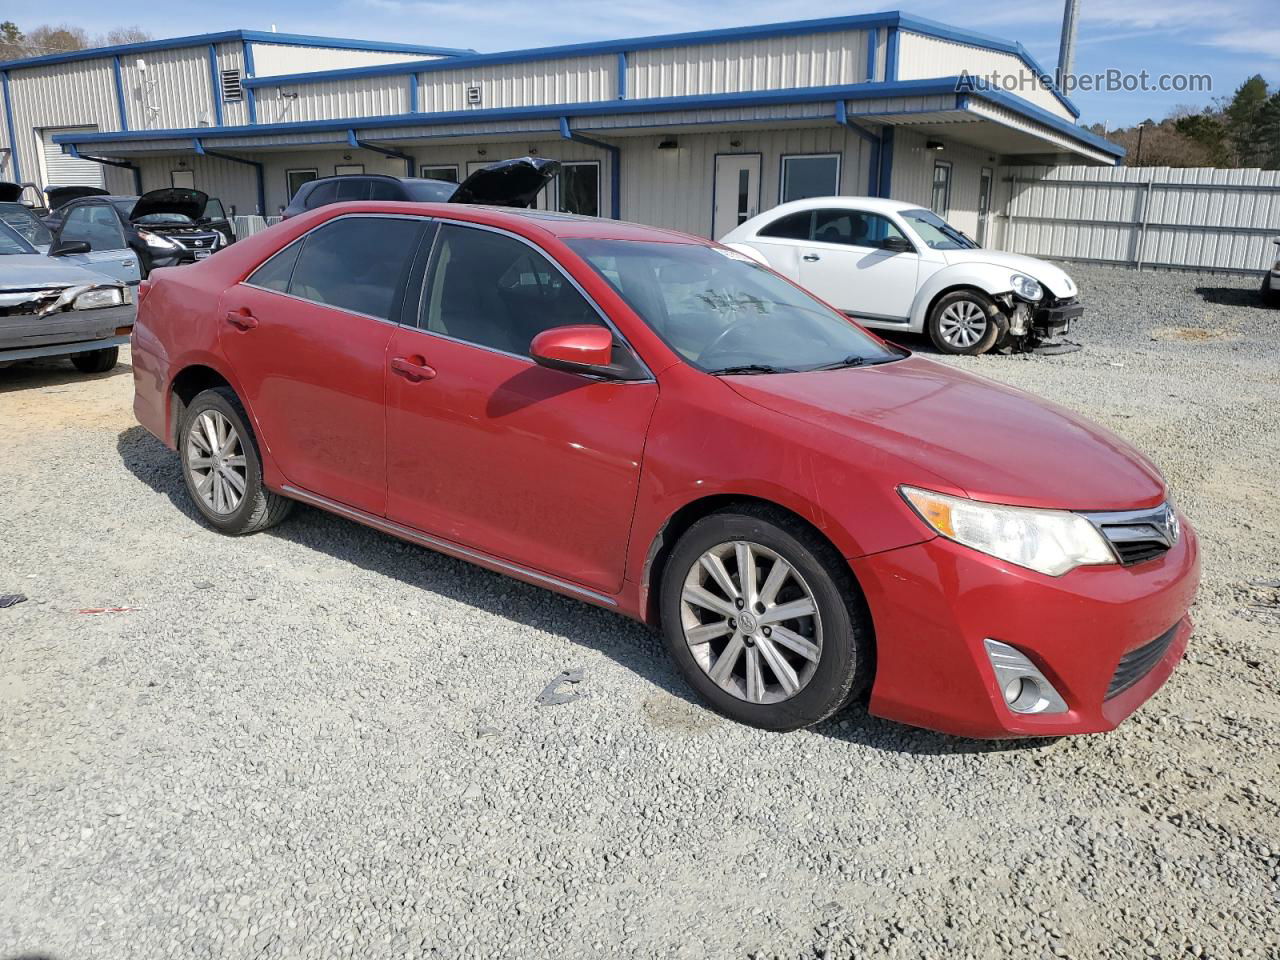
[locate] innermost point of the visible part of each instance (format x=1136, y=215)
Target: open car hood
x=59, y=196
x=507, y=183
x=190, y=203
x=10, y=191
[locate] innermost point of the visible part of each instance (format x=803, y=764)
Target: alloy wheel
x=751, y=622
x=963, y=324
x=216, y=462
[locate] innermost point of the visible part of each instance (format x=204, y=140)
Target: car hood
x=989, y=440
x=507, y=183
x=190, y=203
x=28, y=271
x=1056, y=279
x=10, y=191
x=60, y=196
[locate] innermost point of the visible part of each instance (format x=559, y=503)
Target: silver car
x=50, y=307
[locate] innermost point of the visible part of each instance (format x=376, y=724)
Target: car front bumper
x=26, y=336
x=1051, y=321
x=934, y=603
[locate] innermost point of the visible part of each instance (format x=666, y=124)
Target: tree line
x=45, y=39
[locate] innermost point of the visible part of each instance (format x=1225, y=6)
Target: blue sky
x=1227, y=39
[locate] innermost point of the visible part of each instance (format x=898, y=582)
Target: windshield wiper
x=749, y=368
x=850, y=361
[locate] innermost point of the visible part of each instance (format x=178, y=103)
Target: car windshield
x=936, y=232
x=13, y=242
x=724, y=313
x=19, y=218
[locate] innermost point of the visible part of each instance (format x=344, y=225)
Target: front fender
x=991, y=279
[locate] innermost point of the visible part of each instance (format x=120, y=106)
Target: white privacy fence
x=1194, y=218
x=248, y=226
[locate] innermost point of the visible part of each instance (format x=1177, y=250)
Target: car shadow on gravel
x=1232, y=296
x=32, y=374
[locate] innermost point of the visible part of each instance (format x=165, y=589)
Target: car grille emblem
x=1171, y=525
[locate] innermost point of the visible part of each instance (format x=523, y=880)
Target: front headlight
x=102, y=297
x=1052, y=542
x=1028, y=288
x=156, y=241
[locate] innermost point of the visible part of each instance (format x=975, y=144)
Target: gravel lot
x=321, y=742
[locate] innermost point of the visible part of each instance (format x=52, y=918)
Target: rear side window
x=385, y=190
x=275, y=273
x=355, y=263
x=794, y=226
x=323, y=193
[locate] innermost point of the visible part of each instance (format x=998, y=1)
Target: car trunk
x=507, y=183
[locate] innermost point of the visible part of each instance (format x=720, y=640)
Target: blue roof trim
x=118, y=80
x=225, y=36
x=859, y=91
x=8, y=116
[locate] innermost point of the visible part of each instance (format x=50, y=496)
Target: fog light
x=1024, y=687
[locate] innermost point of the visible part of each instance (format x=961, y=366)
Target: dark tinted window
x=275, y=273
x=429, y=191
x=353, y=188
x=355, y=263
x=323, y=193
x=498, y=292
x=385, y=190
x=580, y=189
x=794, y=226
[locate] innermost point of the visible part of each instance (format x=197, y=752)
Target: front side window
x=95, y=224
x=724, y=313
x=580, y=188
x=856, y=228
x=24, y=222
x=352, y=263
x=12, y=242
x=495, y=291
x=810, y=176
x=936, y=232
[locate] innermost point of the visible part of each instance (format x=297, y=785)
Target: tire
x=954, y=325
x=838, y=663
x=214, y=492
x=96, y=361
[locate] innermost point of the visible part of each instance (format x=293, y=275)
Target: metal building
x=694, y=131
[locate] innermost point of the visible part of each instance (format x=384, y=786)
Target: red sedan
x=658, y=425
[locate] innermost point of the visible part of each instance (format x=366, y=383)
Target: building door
x=984, y=204
x=737, y=191
x=62, y=169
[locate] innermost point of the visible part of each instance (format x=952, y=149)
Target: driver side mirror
x=580, y=348
x=64, y=247
x=896, y=244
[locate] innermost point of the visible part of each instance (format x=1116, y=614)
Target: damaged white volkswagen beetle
x=897, y=266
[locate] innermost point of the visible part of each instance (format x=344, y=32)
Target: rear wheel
x=964, y=322
x=96, y=361
x=764, y=619
x=222, y=468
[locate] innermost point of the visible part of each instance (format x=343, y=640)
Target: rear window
x=323, y=193
x=429, y=191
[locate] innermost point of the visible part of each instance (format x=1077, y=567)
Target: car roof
x=869, y=204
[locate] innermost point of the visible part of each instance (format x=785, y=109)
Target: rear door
x=306, y=335
x=531, y=465
x=98, y=225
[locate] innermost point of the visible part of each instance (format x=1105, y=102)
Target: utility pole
x=1067, y=46
x=1142, y=128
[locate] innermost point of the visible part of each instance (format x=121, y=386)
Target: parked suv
x=165, y=227
x=508, y=183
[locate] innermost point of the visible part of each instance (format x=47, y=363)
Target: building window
x=580, y=188
x=941, y=202
x=447, y=172
x=182, y=178
x=297, y=178
x=813, y=175
x=347, y=169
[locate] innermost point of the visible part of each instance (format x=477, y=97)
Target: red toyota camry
x=658, y=425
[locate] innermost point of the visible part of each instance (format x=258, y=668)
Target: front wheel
x=764, y=619
x=96, y=361
x=964, y=323
x=222, y=468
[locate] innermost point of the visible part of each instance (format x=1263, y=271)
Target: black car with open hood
x=507, y=183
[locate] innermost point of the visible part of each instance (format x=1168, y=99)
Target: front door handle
x=811, y=257
x=241, y=318
x=413, y=369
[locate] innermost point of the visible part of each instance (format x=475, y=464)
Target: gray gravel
x=321, y=742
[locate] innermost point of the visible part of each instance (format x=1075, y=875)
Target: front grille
x=1136, y=664
x=199, y=242
x=1137, y=536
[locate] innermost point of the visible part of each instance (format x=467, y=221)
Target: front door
x=847, y=264
x=535, y=466
x=97, y=225
x=984, y=204
x=737, y=191
x=306, y=336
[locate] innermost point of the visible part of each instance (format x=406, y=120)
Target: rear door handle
x=811, y=257
x=413, y=369
x=241, y=318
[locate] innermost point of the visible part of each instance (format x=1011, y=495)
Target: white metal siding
x=274, y=59
x=771, y=63
x=172, y=92
x=72, y=94
x=333, y=99
x=569, y=80
x=1015, y=121
x=231, y=57
x=233, y=183
x=921, y=57
x=912, y=180
x=677, y=118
